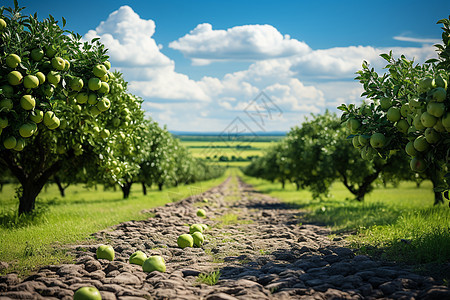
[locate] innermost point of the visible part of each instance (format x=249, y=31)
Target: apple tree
x=53, y=90
x=408, y=110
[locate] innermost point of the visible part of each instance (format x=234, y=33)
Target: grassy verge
x=395, y=223
x=31, y=242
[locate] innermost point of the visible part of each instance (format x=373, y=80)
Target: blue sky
x=202, y=65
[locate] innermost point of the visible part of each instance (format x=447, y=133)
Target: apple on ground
x=87, y=293
x=201, y=213
x=105, y=252
x=154, y=263
x=198, y=238
x=185, y=240
x=138, y=258
x=195, y=227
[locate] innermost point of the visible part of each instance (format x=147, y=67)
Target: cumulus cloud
x=129, y=39
x=299, y=80
x=248, y=42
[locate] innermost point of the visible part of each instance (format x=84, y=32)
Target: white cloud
x=129, y=39
x=298, y=79
x=416, y=40
x=249, y=42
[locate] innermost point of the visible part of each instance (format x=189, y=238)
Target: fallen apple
x=154, y=263
x=87, y=293
x=184, y=240
x=105, y=252
x=195, y=227
x=198, y=238
x=138, y=258
x=201, y=213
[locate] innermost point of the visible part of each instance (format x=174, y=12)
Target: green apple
x=99, y=70
x=363, y=141
x=6, y=105
x=205, y=227
x=27, y=130
x=92, y=99
x=3, y=122
x=104, y=89
x=440, y=82
x=2, y=25
x=19, y=145
x=432, y=136
x=94, y=111
x=393, y=114
x=201, y=213
x=27, y=102
x=185, y=240
x=353, y=125
x=13, y=60
x=105, y=78
x=417, y=164
x=10, y=142
x=427, y=119
x=53, y=77
x=94, y=84
x=37, y=54
x=438, y=126
x=425, y=84
x=82, y=97
x=58, y=63
x=14, y=78
x=105, y=252
x=8, y=91
x=116, y=122
x=402, y=126
x=421, y=144
x=49, y=118
x=405, y=110
x=436, y=109
x=154, y=263
x=87, y=293
x=107, y=64
x=30, y=82
x=377, y=140
x=439, y=94
x=195, y=227
x=138, y=258
x=446, y=120
x=50, y=51
x=76, y=84
x=410, y=150
x=355, y=141
x=41, y=77
x=103, y=104
x=418, y=123
x=385, y=103
x=198, y=238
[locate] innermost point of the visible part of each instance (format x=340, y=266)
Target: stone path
x=254, y=241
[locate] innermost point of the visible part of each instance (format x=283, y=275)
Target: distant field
x=230, y=153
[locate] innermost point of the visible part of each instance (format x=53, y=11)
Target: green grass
x=30, y=242
x=209, y=278
x=395, y=223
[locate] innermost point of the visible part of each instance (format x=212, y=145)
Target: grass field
x=28, y=243
x=395, y=223
x=229, y=153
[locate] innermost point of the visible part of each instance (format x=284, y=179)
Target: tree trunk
x=27, y=200
x=60, y=187
x=160, y=186
x=283, y=183
x=297, y=185
x=126, y=189
x=144, y=188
